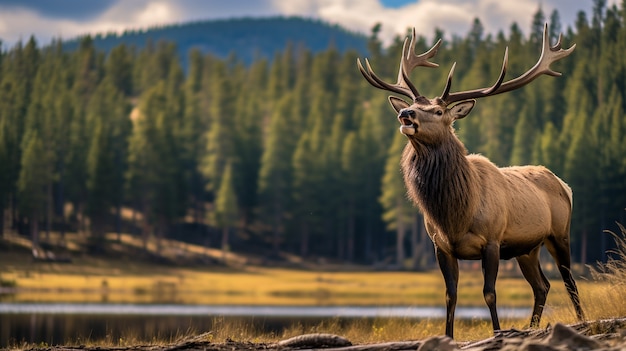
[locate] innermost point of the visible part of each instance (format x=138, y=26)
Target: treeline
x=298, y=154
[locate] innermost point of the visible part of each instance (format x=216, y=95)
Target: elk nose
x=406, y=113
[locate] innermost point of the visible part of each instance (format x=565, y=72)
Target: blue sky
x=48, y=19
x=396, y=3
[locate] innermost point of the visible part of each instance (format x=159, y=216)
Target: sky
x=66, y=19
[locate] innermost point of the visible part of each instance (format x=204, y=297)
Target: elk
x=472, y=209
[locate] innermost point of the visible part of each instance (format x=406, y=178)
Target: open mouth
x=407, y=127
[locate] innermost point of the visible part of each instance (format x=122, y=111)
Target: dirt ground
x=607, y=334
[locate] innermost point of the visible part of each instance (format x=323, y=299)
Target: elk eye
x=439, y=113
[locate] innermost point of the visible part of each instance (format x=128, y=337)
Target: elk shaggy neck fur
x=441, y=181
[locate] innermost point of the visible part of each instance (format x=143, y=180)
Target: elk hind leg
x=560, y=251
x=531, y=269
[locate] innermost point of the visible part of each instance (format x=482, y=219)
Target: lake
x=61, y=323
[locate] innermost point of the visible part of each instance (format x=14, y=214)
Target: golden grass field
x=120, y=280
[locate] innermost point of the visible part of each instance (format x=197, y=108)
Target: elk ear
x=397, y=104
x=462, y=109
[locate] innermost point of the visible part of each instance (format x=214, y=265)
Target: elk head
x=428, y=120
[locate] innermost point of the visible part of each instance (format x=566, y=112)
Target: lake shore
x=606, y=334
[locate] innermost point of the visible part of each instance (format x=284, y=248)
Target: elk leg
x=531, y=269
x=491, y=261
x=560, y=252
x=450, y=269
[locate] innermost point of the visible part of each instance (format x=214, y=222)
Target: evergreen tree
x=248, y=137
x=275, y=174
x=193, y=132
x=87, y=74
x=33, y=179
x=220, y=146
x=226, y=208
x=397, y=209
x=107, y=118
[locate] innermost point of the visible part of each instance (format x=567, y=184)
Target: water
x=60, y=323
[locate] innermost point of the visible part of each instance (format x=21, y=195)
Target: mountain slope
x=247, y=38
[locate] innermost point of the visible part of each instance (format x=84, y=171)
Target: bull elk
x=474, y=210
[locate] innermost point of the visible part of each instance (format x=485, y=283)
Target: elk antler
x=548, y=56
x=408, y=62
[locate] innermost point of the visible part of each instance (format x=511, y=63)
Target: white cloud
x=453, y=16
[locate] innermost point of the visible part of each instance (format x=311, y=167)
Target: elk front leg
x=450, y=269
x=491, y=261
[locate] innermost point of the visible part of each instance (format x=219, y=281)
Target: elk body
x=474, y=210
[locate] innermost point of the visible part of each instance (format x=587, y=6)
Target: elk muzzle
x=407, y=124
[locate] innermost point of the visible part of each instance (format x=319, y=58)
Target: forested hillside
x=247, y=38
x=298, y=154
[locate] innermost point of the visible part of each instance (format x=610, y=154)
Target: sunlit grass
x=92, y=280
x=260, y=286
x=121, y=280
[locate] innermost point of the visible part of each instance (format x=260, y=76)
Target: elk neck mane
x=441, y=181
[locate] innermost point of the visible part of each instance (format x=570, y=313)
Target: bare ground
x=609, y=334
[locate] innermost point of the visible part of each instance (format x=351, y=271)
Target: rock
x=563, y=335
x=438, y=343
x=317, y=340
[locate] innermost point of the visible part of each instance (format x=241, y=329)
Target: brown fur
x=474, y=210
x=466, y=196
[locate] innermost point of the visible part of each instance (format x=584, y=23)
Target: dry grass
x=88, y=279
x=120, y=280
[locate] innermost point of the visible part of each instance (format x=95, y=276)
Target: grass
x=87, y=279
x=122, y=280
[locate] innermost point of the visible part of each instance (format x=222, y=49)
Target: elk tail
x=568, y=191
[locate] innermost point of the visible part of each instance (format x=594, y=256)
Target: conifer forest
x=296, y=154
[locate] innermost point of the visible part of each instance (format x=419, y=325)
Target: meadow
x=124, y=280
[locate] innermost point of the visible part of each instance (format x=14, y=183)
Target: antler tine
x=446, y=90
x=412, y=60
x=549, y=55
x=366, y=75
x=498, y=83
x=408, y=62
x=374, y=80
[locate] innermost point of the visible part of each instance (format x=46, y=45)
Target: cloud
x=455, y=17
x=78, y=10
x=69, y=18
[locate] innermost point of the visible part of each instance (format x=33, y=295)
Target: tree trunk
x=49, y=209
x=118, y=221
x=400, y=231
x=341, y=244
x=34, y=229
x=277, y=228
x=304, y=240
x=2, y=222
x=351, y=233
x=415, y=250
x=225, y=232
x=583, y=247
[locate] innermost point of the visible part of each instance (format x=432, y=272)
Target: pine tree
x=193, y=131
x=226, y=208
x=248, y=137
x=107, y=119
x=275, y=174
x=220, y=146
x=87, y=73
x=397, y=209
x=33, y=179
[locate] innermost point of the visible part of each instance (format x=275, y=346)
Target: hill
x=247, y=38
